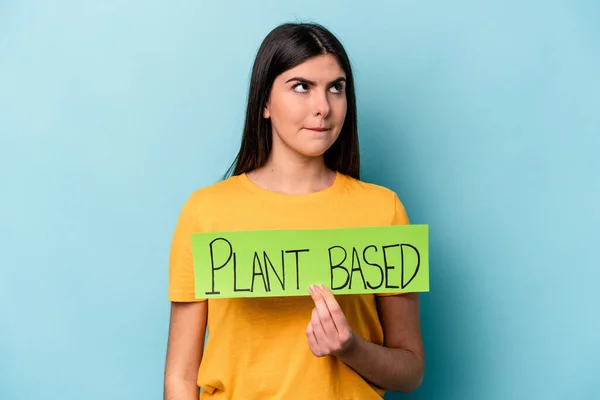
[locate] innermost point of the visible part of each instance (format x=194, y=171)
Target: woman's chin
x=313, y=151
x=314, y=148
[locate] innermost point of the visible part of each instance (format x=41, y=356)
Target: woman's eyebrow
x=309, y=82
x=338, y=80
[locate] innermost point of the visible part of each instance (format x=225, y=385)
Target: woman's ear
x=266, y=113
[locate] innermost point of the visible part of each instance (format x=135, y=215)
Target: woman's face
x=307, y=106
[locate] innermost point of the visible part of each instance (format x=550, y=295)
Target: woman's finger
x=317, y=328
x=336, y=312
x=312, y=340
x=323, y=313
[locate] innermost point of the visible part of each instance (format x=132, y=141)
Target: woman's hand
x=328, y=331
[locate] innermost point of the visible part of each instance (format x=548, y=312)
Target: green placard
x=386, y=259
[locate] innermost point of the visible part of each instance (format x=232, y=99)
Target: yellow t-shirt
x=257, y=347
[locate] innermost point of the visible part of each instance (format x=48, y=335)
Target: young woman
x=297, y=168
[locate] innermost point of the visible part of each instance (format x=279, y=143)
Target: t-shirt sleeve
x=181, y=264
x=399, y=217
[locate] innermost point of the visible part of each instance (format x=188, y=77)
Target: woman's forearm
x=389, y=368
x=180, y=389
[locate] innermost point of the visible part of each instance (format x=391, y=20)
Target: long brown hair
x=285, y=47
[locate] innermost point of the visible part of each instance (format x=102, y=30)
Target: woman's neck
x=293, y=175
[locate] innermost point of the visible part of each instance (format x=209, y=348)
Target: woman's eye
x=337, y=88
x=301, y=87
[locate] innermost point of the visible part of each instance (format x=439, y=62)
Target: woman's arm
x=398, y=365
x=184, y=350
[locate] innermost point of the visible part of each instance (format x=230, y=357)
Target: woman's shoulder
x=370, y=189
x=215, y=193
x=377, y=197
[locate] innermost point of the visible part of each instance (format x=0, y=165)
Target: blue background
x=483, y=116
